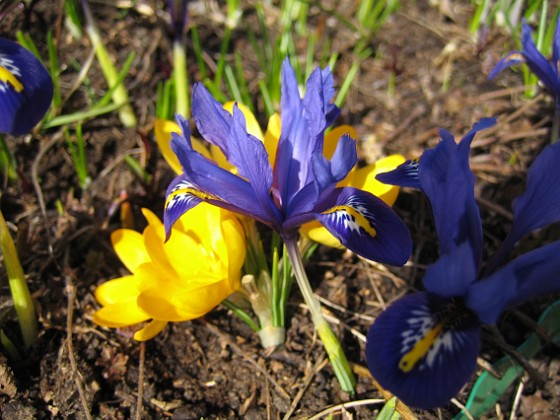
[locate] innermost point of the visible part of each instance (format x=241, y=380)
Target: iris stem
x=180, y=76
x=334, y=350
x=23, y=302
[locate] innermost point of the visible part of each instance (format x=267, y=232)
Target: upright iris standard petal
x=423, y=349
x=26, y=89
x=453, y=273
x=366, y=225
x=532, y=274
x=539, y=205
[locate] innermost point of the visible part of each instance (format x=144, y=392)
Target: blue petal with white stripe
x=26, y=89
x=366, y=225
x=423, y=349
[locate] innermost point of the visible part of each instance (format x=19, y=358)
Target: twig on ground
x=332, y=409
x=71, y=293
x=402, y=408
x=139, y=399
x=516, y=401
x=466, y=412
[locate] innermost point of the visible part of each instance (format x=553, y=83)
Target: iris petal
x=530, y=275
x=366, y=225
x=539, y=205
x=538, y=64
x=211, y=119
x=418, y=355
x=452, y=273
x=26, y=89
x=405, y=175
x=512, y=58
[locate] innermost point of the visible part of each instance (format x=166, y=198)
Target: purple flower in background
x=546, y=71
x=301, y=187
x=26, y=89
x=423, y=348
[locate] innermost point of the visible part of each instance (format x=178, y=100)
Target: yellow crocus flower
x=173, y=281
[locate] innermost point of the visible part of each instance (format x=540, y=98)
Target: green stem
x=23, y=302
x=337, y=357
x=181, y=79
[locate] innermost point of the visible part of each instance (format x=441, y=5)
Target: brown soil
x=214, y=367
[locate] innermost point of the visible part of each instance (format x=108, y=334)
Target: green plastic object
x=487, y=390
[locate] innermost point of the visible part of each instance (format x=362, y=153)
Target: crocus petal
x=331, y=139
x=366, y=225
x=26, y=89
x=419, y=358
x=122, y=314
x=271, y=137
x=129, y=246
x=148, y=332
x=117, y=290
x=405, y=175
x=452, y=273
x=543, y=69
x=163, y=130
x=365, y=178
x=253, y=126
x=530, y=275
x=539, y=205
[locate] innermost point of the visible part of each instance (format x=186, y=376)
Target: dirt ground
x=214, y=367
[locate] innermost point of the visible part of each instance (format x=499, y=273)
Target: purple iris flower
x=546, y=71
x=302, y=185
x=26, y=89
x=423, y=348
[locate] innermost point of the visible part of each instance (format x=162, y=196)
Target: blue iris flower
x=302, y=185
x=26, y=89
x=423, y=348
x=546, y=71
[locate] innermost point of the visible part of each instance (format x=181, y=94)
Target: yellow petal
x=332, y=137
x=117, y=290
x=318, y=233
x=129, y=246
x=272, y=137
x=364, y=178
x=150, y=330
x=119, y=315
x=162, y=132
x=172, y=303
x=220, y=159
x=253, y=126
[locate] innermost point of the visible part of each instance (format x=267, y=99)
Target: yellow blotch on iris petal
x=420, y=349
x=7, y=77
